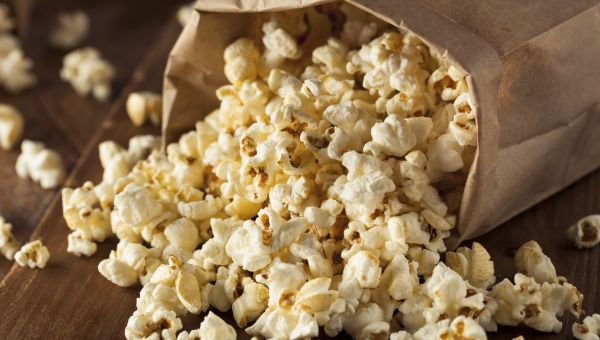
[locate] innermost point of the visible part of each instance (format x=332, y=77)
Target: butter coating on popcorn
x=42, y=165
x=33, y=255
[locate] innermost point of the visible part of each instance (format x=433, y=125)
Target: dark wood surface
x=69, y=299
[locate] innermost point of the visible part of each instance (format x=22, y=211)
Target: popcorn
x=393, y=137
x=11, y=126
x=589, y=329
x=8, y=244
x=450, y=295
x=162, y=324
x=142, y=106
x=40, y=164
x=88, y=73
x=184, y=13
x=531, y=261
x=460, y=328
x=15, y=71
x=70, y=30
x=241, y=61
x=445, y=154
x=536, y=305
x=251, y=303
x=33, y=254
x=586, y=232
x=473, y=264
x=127, y=264
x=136, y=206
x=213, y=327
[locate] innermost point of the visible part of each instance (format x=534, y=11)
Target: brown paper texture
x=533, y=73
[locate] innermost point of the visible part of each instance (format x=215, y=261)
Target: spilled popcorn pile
x=316, y=198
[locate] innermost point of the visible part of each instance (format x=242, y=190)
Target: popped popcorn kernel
x=589, y=329
x=70, y=30
x=8, y=244
x=33, y=255
x=11, y=126
x=586, y=232
x=42, y=165
x=87, y=73
x=142, y=106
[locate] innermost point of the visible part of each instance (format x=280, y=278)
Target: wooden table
x=69, y=299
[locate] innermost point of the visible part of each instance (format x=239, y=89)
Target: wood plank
x=54, y=113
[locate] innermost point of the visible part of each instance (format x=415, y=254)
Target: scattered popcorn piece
x=586, y=232
x=159, y=324
x=8, y=244
x=42, y=165
x=15, y=71
x=142, y=106
x=589, y=329
x=536, y=305
x=184, y=13
x=473, y=264
x=460, y=328
x=213, y=327
x=87, y=72
x=11, y=126
x=70, y=30
x=33, y=254
x=532, y=261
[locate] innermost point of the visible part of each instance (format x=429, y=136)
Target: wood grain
x=70, y=299
x=54, y=113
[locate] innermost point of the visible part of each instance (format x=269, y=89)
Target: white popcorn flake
x=87, y=72
x=531, y=261
x=184, y=13
x=70, y=30
x=8, y=244
x=11, y=126
x=142, y=106
x=15, y=71
x=536, y=305
x=473, y=264
x=159, y=324
x=445, y=154
x=33, y=254
x=586, y=232
x=450, y=295
x=589, y=329
x=136, y=205
x=251, y=304
x=42, y=165
x=80, y=243
x=460, y=328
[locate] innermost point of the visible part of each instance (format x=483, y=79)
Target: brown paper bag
x=533, y=70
